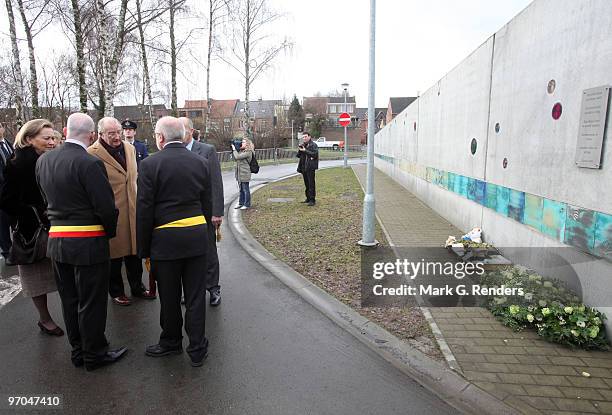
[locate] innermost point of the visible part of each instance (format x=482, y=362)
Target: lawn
x=320, y=242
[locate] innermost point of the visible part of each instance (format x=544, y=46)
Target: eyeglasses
x=112, y=133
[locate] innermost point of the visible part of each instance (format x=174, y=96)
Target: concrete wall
x=541, y=198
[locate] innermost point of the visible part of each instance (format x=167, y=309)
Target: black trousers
x=309, y=182
x=212, y=269
x=82, y=289
x=5, y=233
x=172, y=277
x=133, y=269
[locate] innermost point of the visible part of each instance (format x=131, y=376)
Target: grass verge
x=320, y=243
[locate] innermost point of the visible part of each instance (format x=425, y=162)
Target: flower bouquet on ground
x=548, y=306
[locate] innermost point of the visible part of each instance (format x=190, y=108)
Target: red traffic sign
x=344, y=119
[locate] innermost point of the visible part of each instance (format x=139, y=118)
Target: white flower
x=574, y=332
x=530, y=318
x=581, y=324
x=521, y=269
x=568, y=310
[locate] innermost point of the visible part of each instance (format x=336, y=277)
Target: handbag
x=25, y=252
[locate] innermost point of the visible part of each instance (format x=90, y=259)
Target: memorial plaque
x=593, y=115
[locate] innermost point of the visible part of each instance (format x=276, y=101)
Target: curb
x=435, y=330
x=434, y=376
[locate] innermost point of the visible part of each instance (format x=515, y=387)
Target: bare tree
x=17, y=66
x=80, y=53
x=215, y=15
x=173, y=101
x=251, y=48
x=29, y=26
x=145, y=63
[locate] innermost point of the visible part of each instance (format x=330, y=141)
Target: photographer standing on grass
x=243, y=171
x=308, y=152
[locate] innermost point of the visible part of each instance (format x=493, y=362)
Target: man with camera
x=308, y=153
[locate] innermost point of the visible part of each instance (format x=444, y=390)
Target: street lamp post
x=369, y=205
x=345, y=88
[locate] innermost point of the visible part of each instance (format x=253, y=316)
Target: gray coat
x=243, y=169
x=209, y=153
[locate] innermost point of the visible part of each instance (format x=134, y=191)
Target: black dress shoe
x=311, y=203
x=109, y=358
x=215, y=297
x=198, y=363
x=157, y=350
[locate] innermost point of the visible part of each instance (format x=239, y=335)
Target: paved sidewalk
x=524, y=371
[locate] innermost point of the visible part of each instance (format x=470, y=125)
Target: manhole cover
x=281, y=199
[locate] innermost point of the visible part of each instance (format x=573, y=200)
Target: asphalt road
x=270, y=353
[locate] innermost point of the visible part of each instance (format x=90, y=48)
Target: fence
x=276, y=154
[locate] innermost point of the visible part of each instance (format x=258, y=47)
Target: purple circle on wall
x=557, y=110
x=505, y=162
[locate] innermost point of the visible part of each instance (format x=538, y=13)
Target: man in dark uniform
x=308, y=152
x=129, y=133
x=81, y=208
x=208, y=152
x=174, y=200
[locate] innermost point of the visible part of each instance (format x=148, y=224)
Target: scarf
x=118, y=153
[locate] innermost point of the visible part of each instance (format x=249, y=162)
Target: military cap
x=129, y=125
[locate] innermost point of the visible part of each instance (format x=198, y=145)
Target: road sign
x=344, y=119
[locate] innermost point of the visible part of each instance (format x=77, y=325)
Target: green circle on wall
x=473, y=146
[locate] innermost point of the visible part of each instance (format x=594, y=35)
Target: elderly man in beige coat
x=119, y=158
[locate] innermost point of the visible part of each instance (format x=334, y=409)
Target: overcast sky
x=417, y=42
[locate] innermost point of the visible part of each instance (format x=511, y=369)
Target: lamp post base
x=368, y=244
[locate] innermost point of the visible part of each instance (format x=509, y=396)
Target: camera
x=236, y=144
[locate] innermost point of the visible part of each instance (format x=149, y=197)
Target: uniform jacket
x=141, y=151
x=76, y=188
x=209, y=152
x=124, y=188
x=243, y=168
x=20, y=191
x=173, y=184
x=309, y=159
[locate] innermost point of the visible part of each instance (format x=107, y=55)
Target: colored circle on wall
x=473, y=146
x=505, y=162
x=552, y=84
x=557, y=110
x=497, y=127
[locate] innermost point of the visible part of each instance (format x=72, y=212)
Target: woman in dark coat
x=20, y=194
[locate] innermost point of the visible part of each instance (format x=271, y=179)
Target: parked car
x=322, y=142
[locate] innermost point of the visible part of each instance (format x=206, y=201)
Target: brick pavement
x=521, y=369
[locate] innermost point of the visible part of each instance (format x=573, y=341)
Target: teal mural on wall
x=603, y=235
x=585, y=229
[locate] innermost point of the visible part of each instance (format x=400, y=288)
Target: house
x=397, y=105
x=263, y=114
x=221, y=114
x=361, y=115
x=330, y=108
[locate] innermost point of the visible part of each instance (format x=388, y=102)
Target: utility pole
x=369, y=203
x=345, y=88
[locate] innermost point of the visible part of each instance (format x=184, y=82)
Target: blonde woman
x=20, y=197
x=243, y=171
